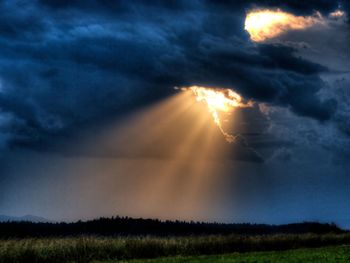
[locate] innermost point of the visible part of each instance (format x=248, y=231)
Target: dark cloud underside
x=65, y=64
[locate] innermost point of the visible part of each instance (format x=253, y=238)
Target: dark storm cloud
x=345, y=5
x=112, y=5
x=298, y=7
x=18, y=19
x=65, y=64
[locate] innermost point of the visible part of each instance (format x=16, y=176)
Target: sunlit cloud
x=337, y=14
x=265, y=24
x=219, y=100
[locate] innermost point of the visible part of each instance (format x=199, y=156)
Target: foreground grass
x=339, y=254
x=88, y=249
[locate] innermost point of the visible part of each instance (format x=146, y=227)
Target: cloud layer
x=72, y=64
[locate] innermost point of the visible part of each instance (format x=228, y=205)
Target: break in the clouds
x=69, y=65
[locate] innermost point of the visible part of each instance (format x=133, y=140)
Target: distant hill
x=26, y=218
x=124, y=226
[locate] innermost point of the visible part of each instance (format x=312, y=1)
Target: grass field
x=339, y=254
x=92, y=249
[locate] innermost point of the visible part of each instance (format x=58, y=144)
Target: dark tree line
x=125, y=226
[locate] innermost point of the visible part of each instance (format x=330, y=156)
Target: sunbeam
x=180, y=137
x=219, y=101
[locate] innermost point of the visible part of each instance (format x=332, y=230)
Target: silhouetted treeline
x=124, y=226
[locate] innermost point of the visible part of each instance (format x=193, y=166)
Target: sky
x=97, y=116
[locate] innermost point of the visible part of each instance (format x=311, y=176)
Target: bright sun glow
x=265, y=24
x=219, y=100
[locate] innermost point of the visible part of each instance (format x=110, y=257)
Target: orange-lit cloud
x=219, y=100
x=337, y=13
x=265, y=24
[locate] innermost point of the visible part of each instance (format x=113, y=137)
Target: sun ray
x=219, y=100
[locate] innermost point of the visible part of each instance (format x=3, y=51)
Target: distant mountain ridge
x=25, y=218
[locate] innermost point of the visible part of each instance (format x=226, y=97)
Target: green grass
x=88, y=249
x=339, y=254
